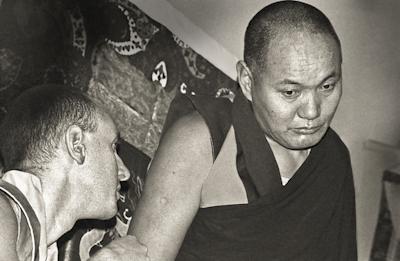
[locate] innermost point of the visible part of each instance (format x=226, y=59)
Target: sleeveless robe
x=311, y=218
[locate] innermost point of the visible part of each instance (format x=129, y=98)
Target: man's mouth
x=307, y=130
x=117, y=192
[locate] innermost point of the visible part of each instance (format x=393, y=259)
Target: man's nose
x=311, y=107
x=123, y=171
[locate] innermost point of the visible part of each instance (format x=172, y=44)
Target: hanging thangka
x=124, y=60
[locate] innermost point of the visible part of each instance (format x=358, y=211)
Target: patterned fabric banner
x=124, y=60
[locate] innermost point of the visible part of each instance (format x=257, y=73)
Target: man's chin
x=304, y=142
x=109, y=213
x=307, y=141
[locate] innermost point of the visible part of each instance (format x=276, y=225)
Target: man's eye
x=328, y=86
x=290, y=93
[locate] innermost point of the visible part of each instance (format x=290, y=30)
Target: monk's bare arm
x=172, y=191
x=9, y=231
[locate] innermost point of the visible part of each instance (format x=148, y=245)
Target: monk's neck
x=289, y=161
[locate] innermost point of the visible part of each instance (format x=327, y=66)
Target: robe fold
x=311, y=218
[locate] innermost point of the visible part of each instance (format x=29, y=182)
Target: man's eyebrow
x=290, y=82
x=333, y=74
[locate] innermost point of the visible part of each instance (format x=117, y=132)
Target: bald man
x=275, y=182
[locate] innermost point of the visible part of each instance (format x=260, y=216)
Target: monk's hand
x=121, y=249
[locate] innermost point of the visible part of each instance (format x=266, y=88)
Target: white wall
x=370, y=34
x=370, y=106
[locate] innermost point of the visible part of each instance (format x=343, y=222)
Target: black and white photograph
x=200, y=130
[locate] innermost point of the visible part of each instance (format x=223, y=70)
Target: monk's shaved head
x=280, y=18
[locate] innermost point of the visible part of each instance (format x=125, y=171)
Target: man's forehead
x=306, y=38
x=107, y=124
x=305, y=59
x=300, y=47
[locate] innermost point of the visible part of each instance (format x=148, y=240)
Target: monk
x=271, y=180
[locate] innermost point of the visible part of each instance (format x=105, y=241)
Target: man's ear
x=245, y=79
x=74, y=142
